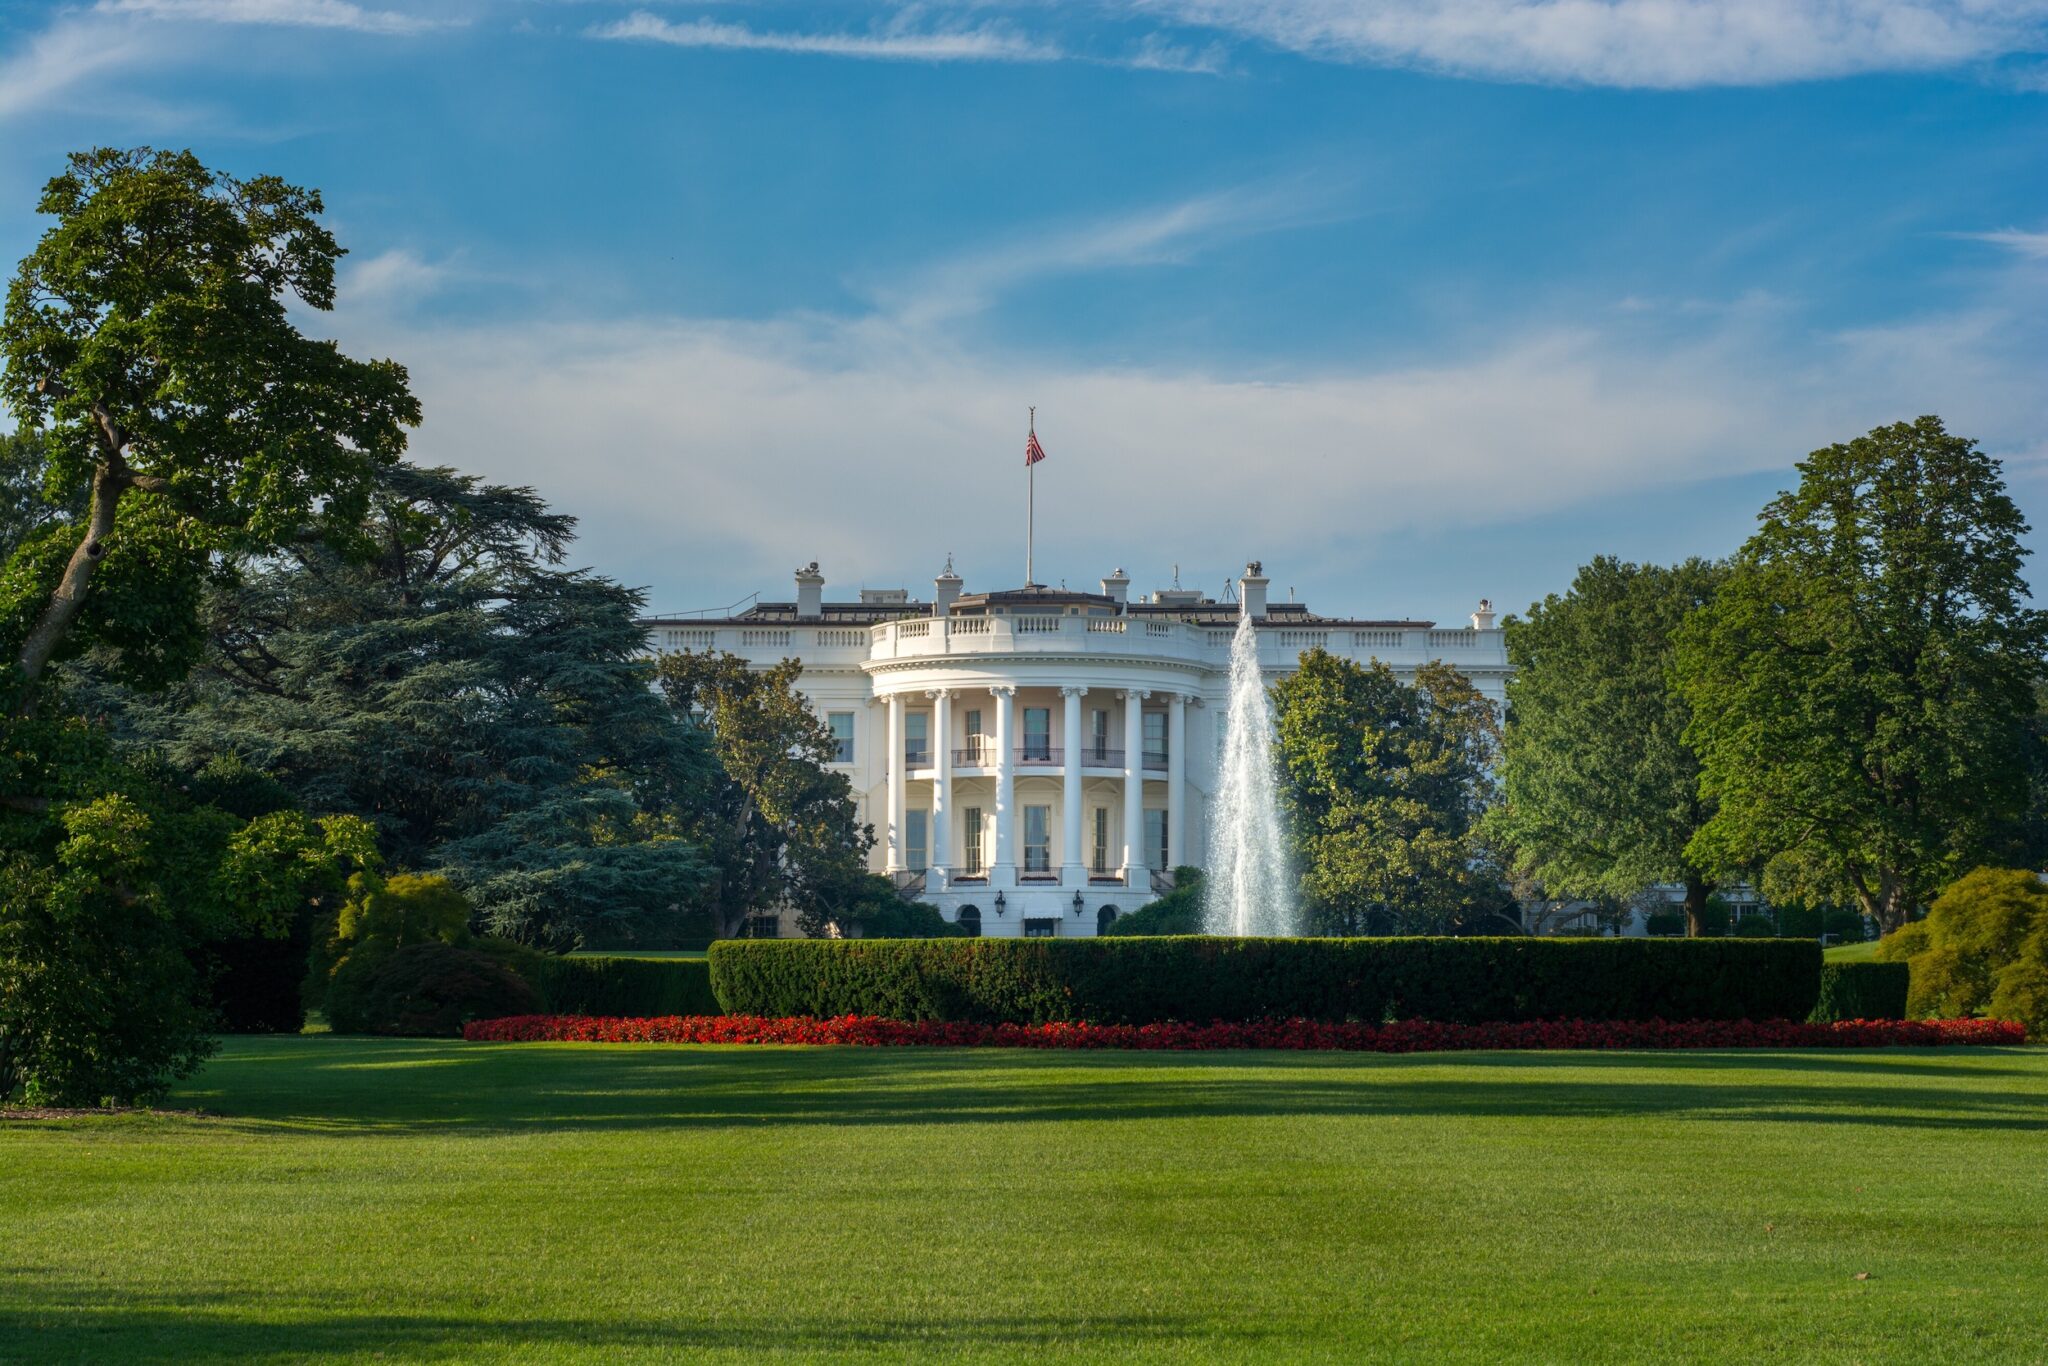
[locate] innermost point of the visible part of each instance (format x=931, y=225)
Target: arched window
x=1104, y=918
x=969, y=919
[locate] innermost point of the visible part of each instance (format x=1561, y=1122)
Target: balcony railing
x=917, y=756
x=1037, y=756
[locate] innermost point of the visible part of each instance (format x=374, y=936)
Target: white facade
x=1037, y=760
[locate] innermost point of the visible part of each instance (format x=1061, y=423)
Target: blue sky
x=1416, y=301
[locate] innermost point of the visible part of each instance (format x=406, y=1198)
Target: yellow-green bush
x=1982, y=950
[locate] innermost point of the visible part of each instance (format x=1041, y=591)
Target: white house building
x=1036, y=760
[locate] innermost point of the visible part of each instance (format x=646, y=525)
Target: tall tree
x=177, y=414
x=1861, y=686
x=784, y=827
x=1384, y=784
x=1600, y=793
x=148, y=336
x=436, y=670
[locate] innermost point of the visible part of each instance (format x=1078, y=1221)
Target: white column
x=1176, y=779
x=897, y=788
x=1072, y=872
x=942, y=787
x=1003, y=871
x=1134, y=789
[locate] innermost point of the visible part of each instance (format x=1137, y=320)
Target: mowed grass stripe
x=443, y=1201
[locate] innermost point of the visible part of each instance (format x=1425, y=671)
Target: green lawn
x=1865, y=952
x=448, y=1202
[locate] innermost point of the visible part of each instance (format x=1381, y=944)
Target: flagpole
x=1030, y=504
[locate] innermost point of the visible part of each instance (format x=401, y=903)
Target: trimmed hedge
x=423, y=990
x=1200, y=979
x=623, y=986
x=1862, y=991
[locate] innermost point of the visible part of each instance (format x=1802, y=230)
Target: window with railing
x=971, y=859
x=1099, y=863
x=972, y=751
x=1037, y=839
x=1156, y=852
x=916, y=840
x=1098, y=738
x=1155, y=739
x=1037, y=735
x=917, y=739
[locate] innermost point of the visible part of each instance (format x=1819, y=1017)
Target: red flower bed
x=1406, y=1036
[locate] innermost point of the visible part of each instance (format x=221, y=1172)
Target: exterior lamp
x=1077, y=902
x=999, y=903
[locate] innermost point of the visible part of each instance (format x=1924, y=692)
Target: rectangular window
x=973, y=724
x=1037, y=839
x=917, y=741
x=970, y=841
x=1155, y=738
x=1038, y=733
x=1100, y=864
x=1047, y=927
x=916, y=842
x=1098, y=740
x=841, y=725
x=1155, y=840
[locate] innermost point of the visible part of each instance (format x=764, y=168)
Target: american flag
x=1033, y=452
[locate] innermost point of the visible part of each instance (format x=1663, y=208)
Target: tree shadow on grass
x=353, y=1086
x=48, y=1320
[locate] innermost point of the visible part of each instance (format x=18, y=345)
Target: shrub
x=1862, y=991
x=896, y=918
x=1178, y=912
x=431, y=988
x=95, y=1008
x=1665, y=923
x=1983, y=949
x=1141, y=980
x=255, y=982
x=624, y=986
x=380, y=916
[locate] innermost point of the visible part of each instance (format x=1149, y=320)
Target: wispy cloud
x=335, y=14
x=1636, y=43
x=2032, y=245
x=1160, y=235
x=67, y=54
x=390, y=279
x=907, y=37
x=128, y=35
x=1344, y=459
x=895, y=42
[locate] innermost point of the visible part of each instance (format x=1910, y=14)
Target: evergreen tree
x=437, y=671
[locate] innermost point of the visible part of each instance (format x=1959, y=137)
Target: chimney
x=1482, y=620
x=945, y=588
x=1117, y=586
x=1251, y=591
x=810, y=591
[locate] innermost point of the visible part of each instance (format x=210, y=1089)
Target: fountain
x=1250, y=888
